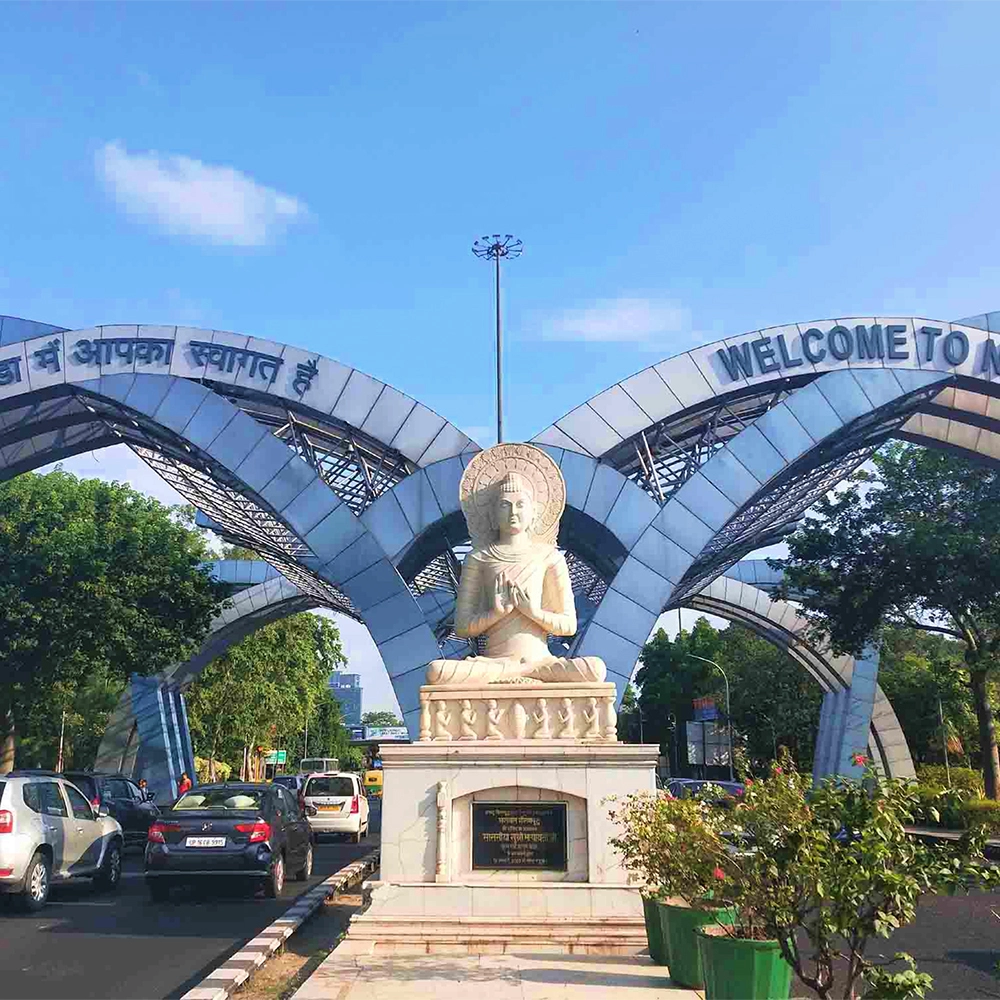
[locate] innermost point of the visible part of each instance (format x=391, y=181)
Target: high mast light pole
x=494, y=248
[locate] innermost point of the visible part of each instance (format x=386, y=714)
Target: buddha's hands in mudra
x=510, y=597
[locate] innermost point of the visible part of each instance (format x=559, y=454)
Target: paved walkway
x=347, y=976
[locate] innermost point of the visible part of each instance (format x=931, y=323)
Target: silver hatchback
x=49, y=832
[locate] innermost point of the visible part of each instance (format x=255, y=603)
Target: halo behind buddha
x=484, y=478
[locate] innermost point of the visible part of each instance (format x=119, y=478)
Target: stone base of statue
x=502, y=845
x=523, y=711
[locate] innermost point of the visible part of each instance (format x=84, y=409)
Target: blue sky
x=315, y=174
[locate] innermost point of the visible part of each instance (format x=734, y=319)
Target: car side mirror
x=102, y=810
x=150, y=796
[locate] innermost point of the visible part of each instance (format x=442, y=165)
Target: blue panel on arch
x=724, y=471
x=268, y=457
x=179, y=404
x=209, y=420
x=392, y=617
x=578, y=471
x=632, y=511
x=338, y=530
x=355, y=558
x=619, y=654
x=699, y=494
x=679, y=524
x=444, y=478
x=289, y=483
x=386, y=521
x=408, y=651
x=604, y=491
x=241, y=437
x=373, y=585
x=642, y=584
x=624, y=617
x=310, y=507
x=417, y=499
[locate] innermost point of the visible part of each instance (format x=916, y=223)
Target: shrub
x=982, y=814
x=935, y=806
x=669, y=846
x=964, y=778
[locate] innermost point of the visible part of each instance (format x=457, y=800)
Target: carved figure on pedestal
x=593, y=719
x=566, y=718
x=519, y=716
x=468, y=721
x=442, y=719
x=493, y=715
x=515, y=589
x=542, y=718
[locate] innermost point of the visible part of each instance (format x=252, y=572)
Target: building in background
x=346, y=689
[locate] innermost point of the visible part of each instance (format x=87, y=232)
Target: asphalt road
x=90, y=944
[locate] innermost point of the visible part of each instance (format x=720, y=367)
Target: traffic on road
x=94, y=940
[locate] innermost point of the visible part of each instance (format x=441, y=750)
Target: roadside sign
x=276, y=757
x=386, y=733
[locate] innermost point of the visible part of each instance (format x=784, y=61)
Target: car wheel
x=307, y=866
x=110, y=874
x=159, y=889
x=36, y=883
x=275, y=880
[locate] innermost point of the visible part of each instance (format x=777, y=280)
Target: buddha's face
x=514, y=513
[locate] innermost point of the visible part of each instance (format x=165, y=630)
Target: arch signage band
x=766, y=355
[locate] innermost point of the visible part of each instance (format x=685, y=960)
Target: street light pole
x=493, y=248
x=729, y=718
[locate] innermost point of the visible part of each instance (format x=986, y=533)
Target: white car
x=340, y=803
x=50, y=832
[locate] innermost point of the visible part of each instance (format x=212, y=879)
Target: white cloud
x=190, y=198
x=622, y=320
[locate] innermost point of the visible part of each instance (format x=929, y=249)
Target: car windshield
x=332, y=785
x=220, y=798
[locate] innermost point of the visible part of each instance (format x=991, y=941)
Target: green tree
x=669, y=679
x=775, y=702
x=239, y=552
x=915, y=542
x=95, y=580
x=266, y=690
x=381, y=718
x=915, y=670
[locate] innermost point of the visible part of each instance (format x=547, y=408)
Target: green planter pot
x=678, y=925
x=740, y=969
x=654, y=934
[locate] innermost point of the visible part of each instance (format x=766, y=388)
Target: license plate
x=335, y=808
x=205, y=842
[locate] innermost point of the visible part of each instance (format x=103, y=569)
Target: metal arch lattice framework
x=212, y=491
x=778, y=509
x=356, y=467
x=662, y=458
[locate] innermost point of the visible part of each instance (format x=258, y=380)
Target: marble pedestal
x=431, y=899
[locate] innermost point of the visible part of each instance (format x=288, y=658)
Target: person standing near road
x=184, y=785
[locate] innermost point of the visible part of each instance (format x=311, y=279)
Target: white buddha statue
x=515, y=589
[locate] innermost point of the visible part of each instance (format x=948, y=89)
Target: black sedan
x=256, y=832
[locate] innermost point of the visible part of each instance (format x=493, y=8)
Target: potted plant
x=833, y=866
x=673, y=849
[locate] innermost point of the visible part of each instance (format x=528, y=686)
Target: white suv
x=340, y=804
x=48, y=831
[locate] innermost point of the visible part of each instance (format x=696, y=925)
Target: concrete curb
x=238, y=968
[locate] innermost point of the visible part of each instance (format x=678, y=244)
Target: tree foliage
x=380, y=718
x=266, y=690
x=96, y=580
x=773, y=701
x=913, y=542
